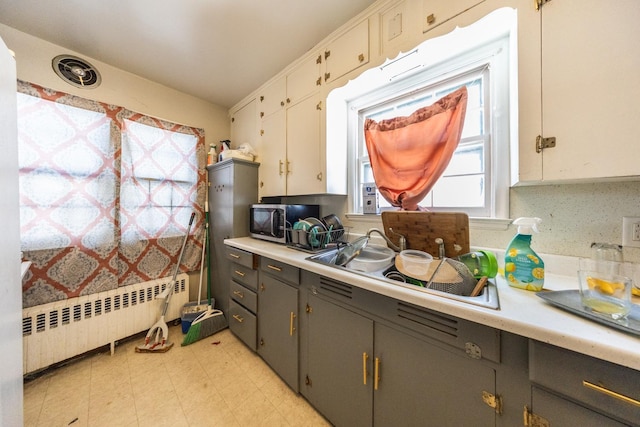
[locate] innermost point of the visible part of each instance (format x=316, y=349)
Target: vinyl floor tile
x=216, y=381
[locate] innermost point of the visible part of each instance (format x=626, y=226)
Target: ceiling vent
x=76, y=71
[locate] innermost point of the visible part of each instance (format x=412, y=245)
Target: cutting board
x=422, y=228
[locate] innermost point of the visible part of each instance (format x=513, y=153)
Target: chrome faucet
x=402, y=240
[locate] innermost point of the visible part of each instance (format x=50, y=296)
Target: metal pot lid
x=352, y=250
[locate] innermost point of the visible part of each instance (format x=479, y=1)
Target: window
x=105, y=195
x=481, y=57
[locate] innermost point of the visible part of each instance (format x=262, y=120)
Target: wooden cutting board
x=422, y=228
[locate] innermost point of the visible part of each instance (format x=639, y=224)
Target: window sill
x=500, y=224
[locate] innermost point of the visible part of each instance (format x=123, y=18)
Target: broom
x=211, y=321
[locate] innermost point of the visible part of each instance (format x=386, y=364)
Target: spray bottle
x=523, y=268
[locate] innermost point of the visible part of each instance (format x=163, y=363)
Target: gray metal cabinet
x=243, y=301
x=233, y=186
x=359, y=369
x=569, y=387
x=425, y=385
x=336, y=376
x=278, y=318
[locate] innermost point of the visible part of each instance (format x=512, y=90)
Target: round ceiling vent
x=76, y=71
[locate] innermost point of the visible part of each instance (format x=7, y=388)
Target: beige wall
x=33, y=59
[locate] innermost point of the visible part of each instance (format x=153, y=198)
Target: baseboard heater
x=60, y=330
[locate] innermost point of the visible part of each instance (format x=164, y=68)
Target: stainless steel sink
x=488, y=298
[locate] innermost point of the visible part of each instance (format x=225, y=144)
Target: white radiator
x=63, y=329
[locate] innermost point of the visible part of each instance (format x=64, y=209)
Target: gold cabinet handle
x=361, y=57
x=239, y=273
x=280, y=164
x=234, y=256
x=327, y=76
x=376, y=373
x=327, y=53
x=611, y=393
x=292, y=329
x=365, y=357
x=431, y=19
x=238, y=318
x=274, y=267
x=288, y=167
x=319, y=176
x=239, y=294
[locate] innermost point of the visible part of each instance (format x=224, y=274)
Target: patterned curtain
x=105, y=195
x=409, y=154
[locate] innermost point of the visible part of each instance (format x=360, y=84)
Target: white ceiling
x=217, y=50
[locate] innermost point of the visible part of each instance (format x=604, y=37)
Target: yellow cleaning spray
x=523, y=268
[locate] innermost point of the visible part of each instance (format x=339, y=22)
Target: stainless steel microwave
x=274, y=222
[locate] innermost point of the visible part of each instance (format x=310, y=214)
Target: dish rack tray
x=315, y=241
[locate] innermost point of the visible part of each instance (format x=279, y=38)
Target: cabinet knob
x=431, y=19
x=261, y=184
x=319, y=81
x=261, y=341
x=261, y=98
x=288, y=101
x=327, y=53
x=282, y=103
x=319, y=59
x=261, y=113
x=327, y=76
x=319, y=106
x=361, y=57
x=319, y=176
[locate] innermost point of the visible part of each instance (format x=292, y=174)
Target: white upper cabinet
x=272, y=97
x=244, y=125
x=304, y=79
x=437, y=12
x=590, y=89
x=347, y=52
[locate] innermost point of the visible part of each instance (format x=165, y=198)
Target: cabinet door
x=272, y=174
x=347, y=52
x=304, y=158
x=244, y=123
x=272, y=97
x=278, y=327
x=421, y=384
x=304, y=79
x=338, y=373
x=558, y=411
x=220, y=222
x=590, y=88
x=436, y=12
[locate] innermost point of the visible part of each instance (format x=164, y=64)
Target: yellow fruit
x=510, y=267
x=604, y=286
x=511, y=278
x=533, y=258
x=513, y=252
x=538, y=273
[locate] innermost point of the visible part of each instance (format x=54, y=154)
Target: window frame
x=439, y=59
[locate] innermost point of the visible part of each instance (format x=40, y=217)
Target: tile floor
x=202, y=384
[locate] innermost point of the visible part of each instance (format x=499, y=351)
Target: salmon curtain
x=409, y=154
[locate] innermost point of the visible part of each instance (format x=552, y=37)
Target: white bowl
x=372, y=258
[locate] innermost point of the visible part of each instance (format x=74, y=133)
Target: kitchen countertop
x=521, y=312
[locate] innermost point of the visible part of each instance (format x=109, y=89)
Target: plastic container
x=372, y=258
x=480, y=263
x=415, y=263
x=523, y=268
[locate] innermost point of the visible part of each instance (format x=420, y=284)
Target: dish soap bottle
x=523, y=268
x=211, y=155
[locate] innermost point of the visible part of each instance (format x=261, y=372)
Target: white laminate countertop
x=521, y=312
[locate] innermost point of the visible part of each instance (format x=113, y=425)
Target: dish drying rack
x=316, y=241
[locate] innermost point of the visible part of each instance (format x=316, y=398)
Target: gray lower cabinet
x=336, y=375
x=278, y=318
x=569, y=388
x=243, y=300
x=360, y=370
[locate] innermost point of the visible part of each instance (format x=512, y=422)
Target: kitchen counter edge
x=521, y=312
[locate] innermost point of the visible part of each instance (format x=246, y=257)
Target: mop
x=211, y=321
x=160, y=329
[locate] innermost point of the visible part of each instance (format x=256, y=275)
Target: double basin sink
x=388, y=273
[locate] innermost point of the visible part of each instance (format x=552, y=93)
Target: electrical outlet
x=631, y=231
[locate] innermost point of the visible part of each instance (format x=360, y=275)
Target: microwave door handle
x=273, y=214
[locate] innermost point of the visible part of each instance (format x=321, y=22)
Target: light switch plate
x=631, y=231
